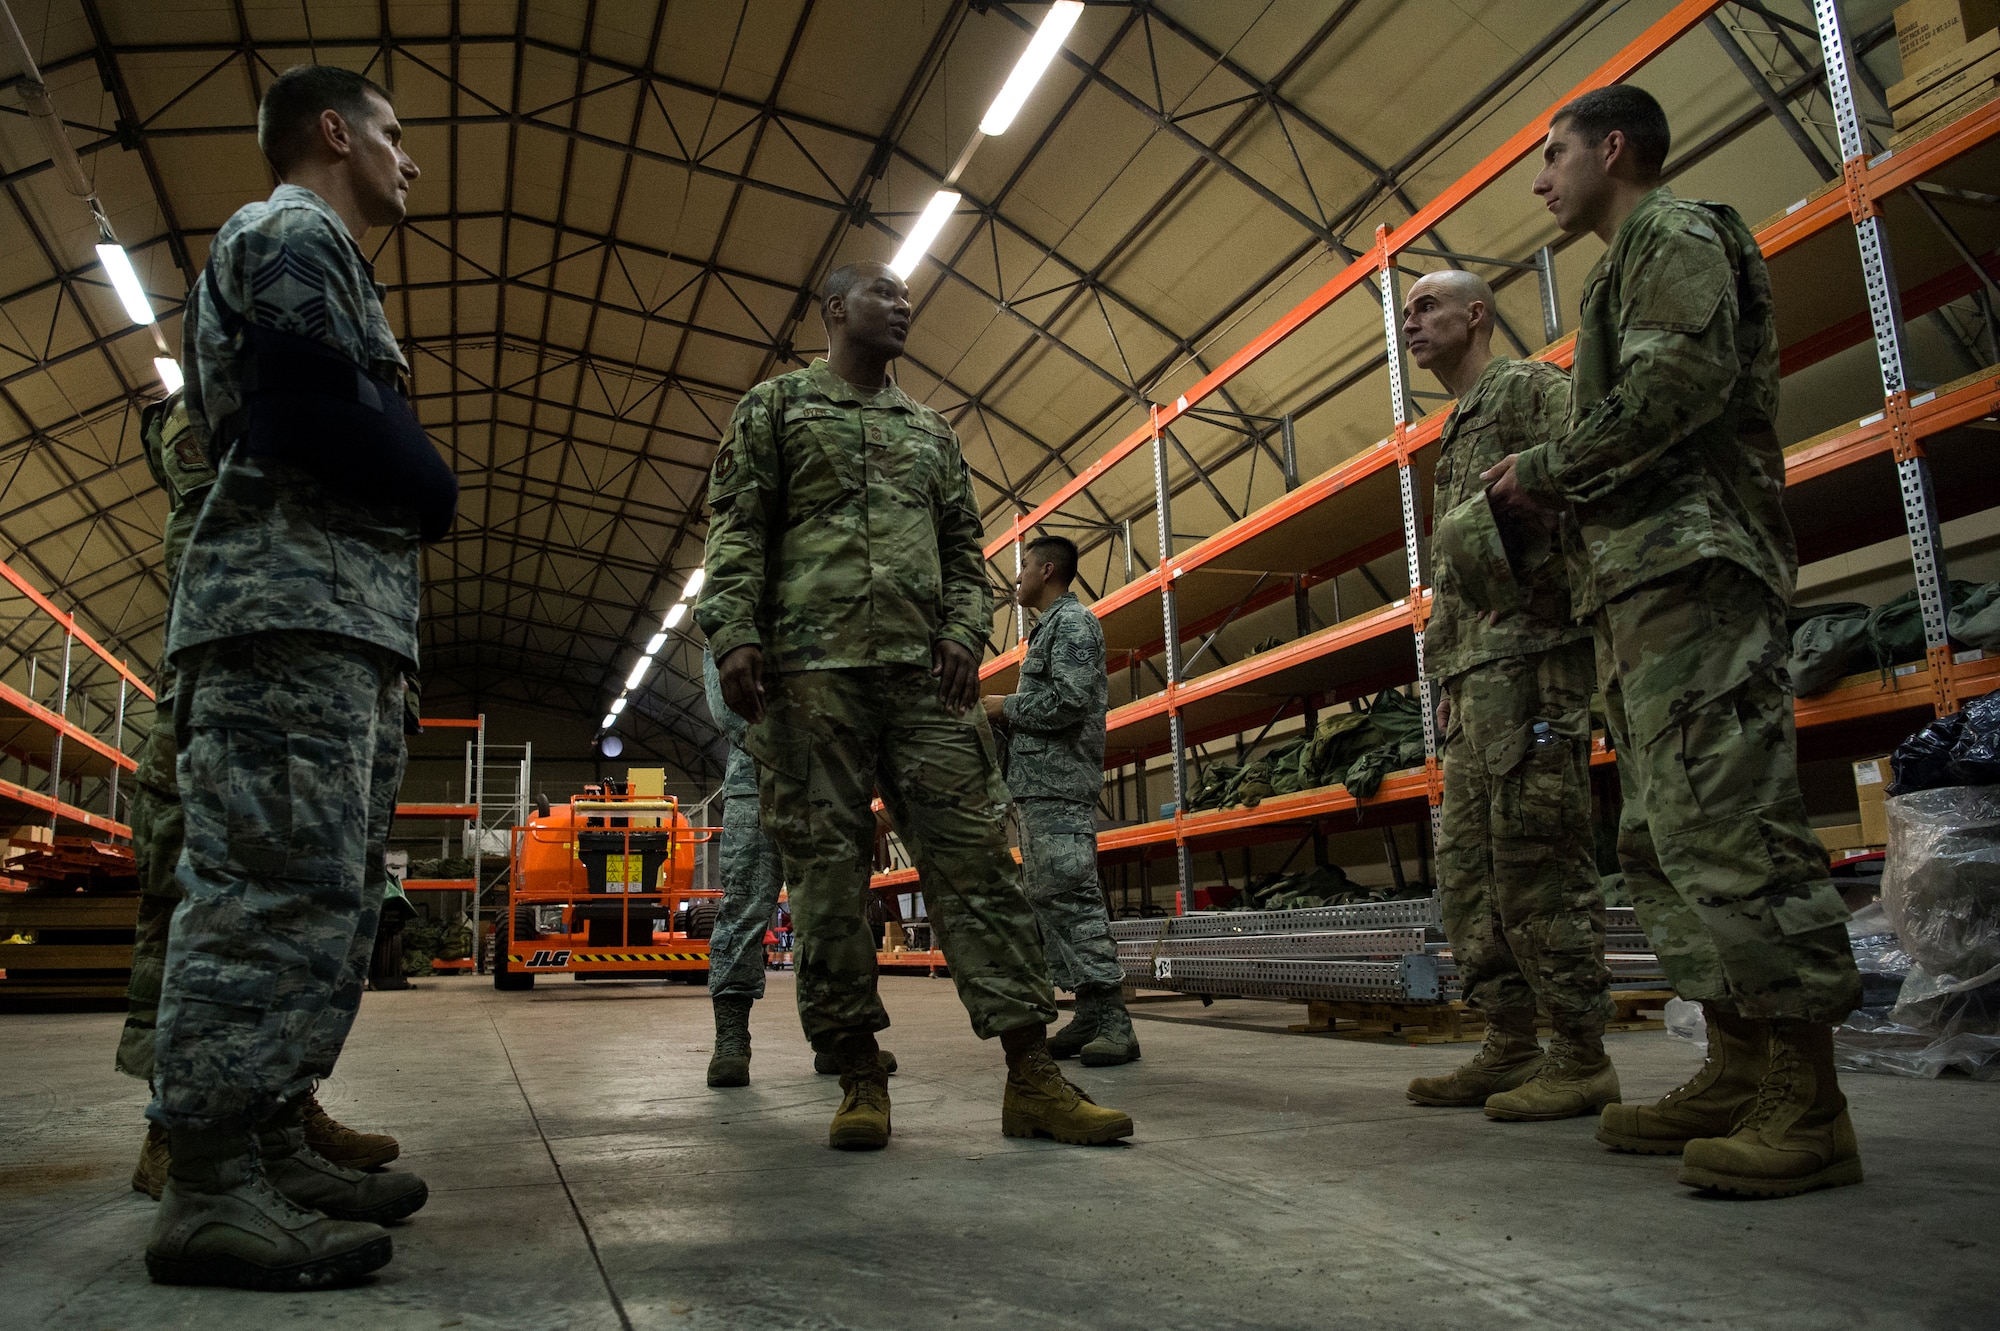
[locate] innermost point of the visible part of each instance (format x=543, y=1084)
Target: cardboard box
x=1938, y=119
x=1928, y=31
x=1847, y=836
x=1871, y=786
x=1930, y=76
x=1979, y=74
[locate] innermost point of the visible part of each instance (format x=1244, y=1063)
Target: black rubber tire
x=505, y=977
x=385, y=964
x=701, y=915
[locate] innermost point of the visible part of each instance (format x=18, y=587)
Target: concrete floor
x=583, y=1177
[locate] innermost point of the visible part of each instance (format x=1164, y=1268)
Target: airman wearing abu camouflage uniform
x=1054, y=723
x=293, y=622
x=846, y=604
x=1684, y=560
x=177, y=457
x=1522, y=904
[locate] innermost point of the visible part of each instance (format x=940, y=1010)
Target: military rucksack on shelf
x=1976, y=621
x=1824, y=643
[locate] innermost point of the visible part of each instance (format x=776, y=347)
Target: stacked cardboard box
x=1951, y=62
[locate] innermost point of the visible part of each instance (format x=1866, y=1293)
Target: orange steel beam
x=1663, y=33
x=450, y=722
x=35, y=799
x=440, y=885
x=35, y=711
x=69, y=623
x=437, y=810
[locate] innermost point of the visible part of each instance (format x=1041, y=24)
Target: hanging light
x=1029, y=68
x=653, y=647
x=618, y=705
x=693, y=588
x=169, y=371
x=675, y=614
x=609, y=717
x=638, y=673
x=936, y=213
x=125, y=281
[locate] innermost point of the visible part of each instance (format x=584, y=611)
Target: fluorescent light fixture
x=693, y=589
x=653, y=647
x=169, y=371
x=609, y=717
x=118, y=267
x=935, y=214
x=1028, y=69
x=675, y=614
x=618, y=705
x=639, y=670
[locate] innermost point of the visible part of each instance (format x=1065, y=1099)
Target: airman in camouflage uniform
x=1054, y=723
x=177, y=458
x=293, y=621
x=847, y=605
x=1522, y=905
x=1684, y=558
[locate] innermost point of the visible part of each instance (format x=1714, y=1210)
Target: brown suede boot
x=1707, y=1105
x=1040, y=1102
x=1796, y=1136
x=1509, y=1057
x=151, y=1174
x=341, y=1144
x=862, y=1121
x=1575, y=1078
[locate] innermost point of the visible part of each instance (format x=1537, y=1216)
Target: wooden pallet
x=81, y=946
x=1454, y=1022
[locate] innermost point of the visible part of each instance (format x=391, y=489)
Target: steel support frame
x=1885, y=313
x=1170, y=618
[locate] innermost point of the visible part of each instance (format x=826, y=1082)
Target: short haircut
x=844, y=278
x=1058, y=550
x=289, y=115
x=1632, y=112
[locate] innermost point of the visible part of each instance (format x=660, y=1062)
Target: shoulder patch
x=1682, y=282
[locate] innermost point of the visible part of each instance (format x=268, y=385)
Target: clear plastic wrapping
x=1929, y=952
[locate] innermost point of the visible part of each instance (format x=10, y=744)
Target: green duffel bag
x=1829, y=642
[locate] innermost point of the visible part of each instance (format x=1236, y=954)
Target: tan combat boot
x=1115, y=1041
x=311, y=1180
x=1575, y=1078
x=150, y=1176
x=1082, y=1028
x=1796, y=1135
x=1509, y=1057
x=862, y=1121
x=342, y=1144
x=1040, y=1102
x=729, y=1065
x=1707, y=1105
x=221, y=1222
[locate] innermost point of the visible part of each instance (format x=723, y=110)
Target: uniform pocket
x=291, y=805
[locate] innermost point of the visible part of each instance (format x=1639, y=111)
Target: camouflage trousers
x=291, y=751
x=1522, y=905
x=156, y=848
x=1725, y=872
x=831, y=738
x=752, y=877
x=1059, y=870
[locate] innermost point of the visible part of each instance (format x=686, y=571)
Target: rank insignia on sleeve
x=725, y=462
x=1080, y=653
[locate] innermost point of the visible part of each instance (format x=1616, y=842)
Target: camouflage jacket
x=175, y=456
x=739, y=774
x=1671, y=456
x=1514, y=405
x=272, y=548
x=1055, y=718
x=842, y=530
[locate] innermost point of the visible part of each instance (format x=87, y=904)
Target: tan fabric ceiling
x=625, y=204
